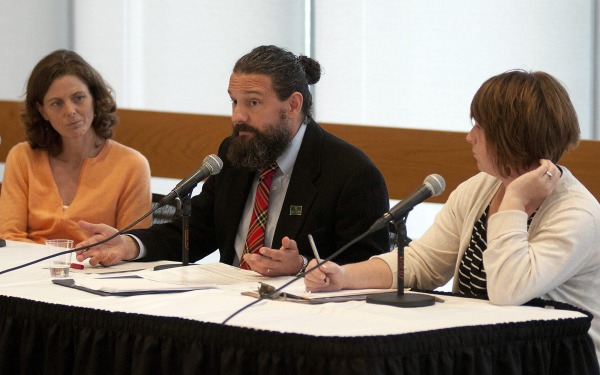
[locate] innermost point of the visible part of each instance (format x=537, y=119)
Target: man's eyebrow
x=249, y=91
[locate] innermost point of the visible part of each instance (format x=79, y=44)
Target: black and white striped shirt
x=471, y=273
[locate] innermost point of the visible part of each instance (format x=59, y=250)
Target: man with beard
x=321, y=185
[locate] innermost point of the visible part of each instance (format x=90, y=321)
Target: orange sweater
x=114, y=189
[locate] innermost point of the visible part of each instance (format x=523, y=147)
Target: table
x=48, y=328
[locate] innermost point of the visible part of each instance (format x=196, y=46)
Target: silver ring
x=549, y=174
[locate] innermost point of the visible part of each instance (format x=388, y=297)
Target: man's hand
x=272, y=262
x=112, y=252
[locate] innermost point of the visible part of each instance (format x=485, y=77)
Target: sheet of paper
x=297, y=289
x=202, y=274
x=130, y=284
x=117, y=268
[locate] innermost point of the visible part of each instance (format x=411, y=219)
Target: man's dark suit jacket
x=340, y=190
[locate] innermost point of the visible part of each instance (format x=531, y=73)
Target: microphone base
x=401, y=300
x=167, y=266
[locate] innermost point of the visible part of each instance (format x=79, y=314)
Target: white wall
x=408, y=63
x=178, y=55
x=29, y=30
x=418, y=63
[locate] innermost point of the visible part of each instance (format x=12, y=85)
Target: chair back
x=165, y=213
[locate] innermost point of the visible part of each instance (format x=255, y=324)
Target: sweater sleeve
x=521, y=265
x=430, y=260
x=13, y=197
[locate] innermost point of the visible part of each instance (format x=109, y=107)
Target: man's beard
x=261, y=150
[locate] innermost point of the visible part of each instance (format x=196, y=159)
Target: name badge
x=295, y=210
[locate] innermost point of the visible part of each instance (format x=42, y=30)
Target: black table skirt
x=43, y=338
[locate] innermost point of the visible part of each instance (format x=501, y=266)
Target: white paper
x=202, y=274
x=130, y=284
x=117, y=268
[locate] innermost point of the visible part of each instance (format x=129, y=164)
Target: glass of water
x=59, y=265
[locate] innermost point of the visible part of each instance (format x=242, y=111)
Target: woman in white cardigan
x=522, y=228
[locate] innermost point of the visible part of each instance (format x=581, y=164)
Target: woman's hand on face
x=528, y=191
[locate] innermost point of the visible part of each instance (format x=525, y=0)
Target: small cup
x=60, y=264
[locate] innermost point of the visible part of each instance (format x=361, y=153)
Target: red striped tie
x=256, y=231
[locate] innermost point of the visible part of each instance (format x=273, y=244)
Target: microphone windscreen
x=214, y=163
x=436, y=183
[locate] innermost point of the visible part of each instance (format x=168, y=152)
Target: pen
x=77, y=266
x=314, y=248
x=316, y=254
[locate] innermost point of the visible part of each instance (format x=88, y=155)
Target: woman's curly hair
x=40, y=134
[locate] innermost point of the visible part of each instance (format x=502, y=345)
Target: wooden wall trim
x=11, y=130
x=176, y=143
x=407, y=156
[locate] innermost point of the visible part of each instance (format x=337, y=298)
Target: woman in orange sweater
x=69, y=169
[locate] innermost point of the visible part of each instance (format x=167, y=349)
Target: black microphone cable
x=299, y=276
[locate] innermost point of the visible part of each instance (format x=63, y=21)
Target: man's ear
x=295, y=102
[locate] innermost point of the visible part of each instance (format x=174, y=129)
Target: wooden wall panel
x=176, y=143
x=11, y=130
x=407, y=156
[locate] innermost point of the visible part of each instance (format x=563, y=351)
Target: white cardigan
x=558, y=259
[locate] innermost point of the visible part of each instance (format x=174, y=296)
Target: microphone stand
x=186, y=211
x=399, y=298
x=185, y=206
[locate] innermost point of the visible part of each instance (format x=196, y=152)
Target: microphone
x=211, y=165
x=433, y=186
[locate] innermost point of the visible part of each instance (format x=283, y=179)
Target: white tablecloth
x=352, y=318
